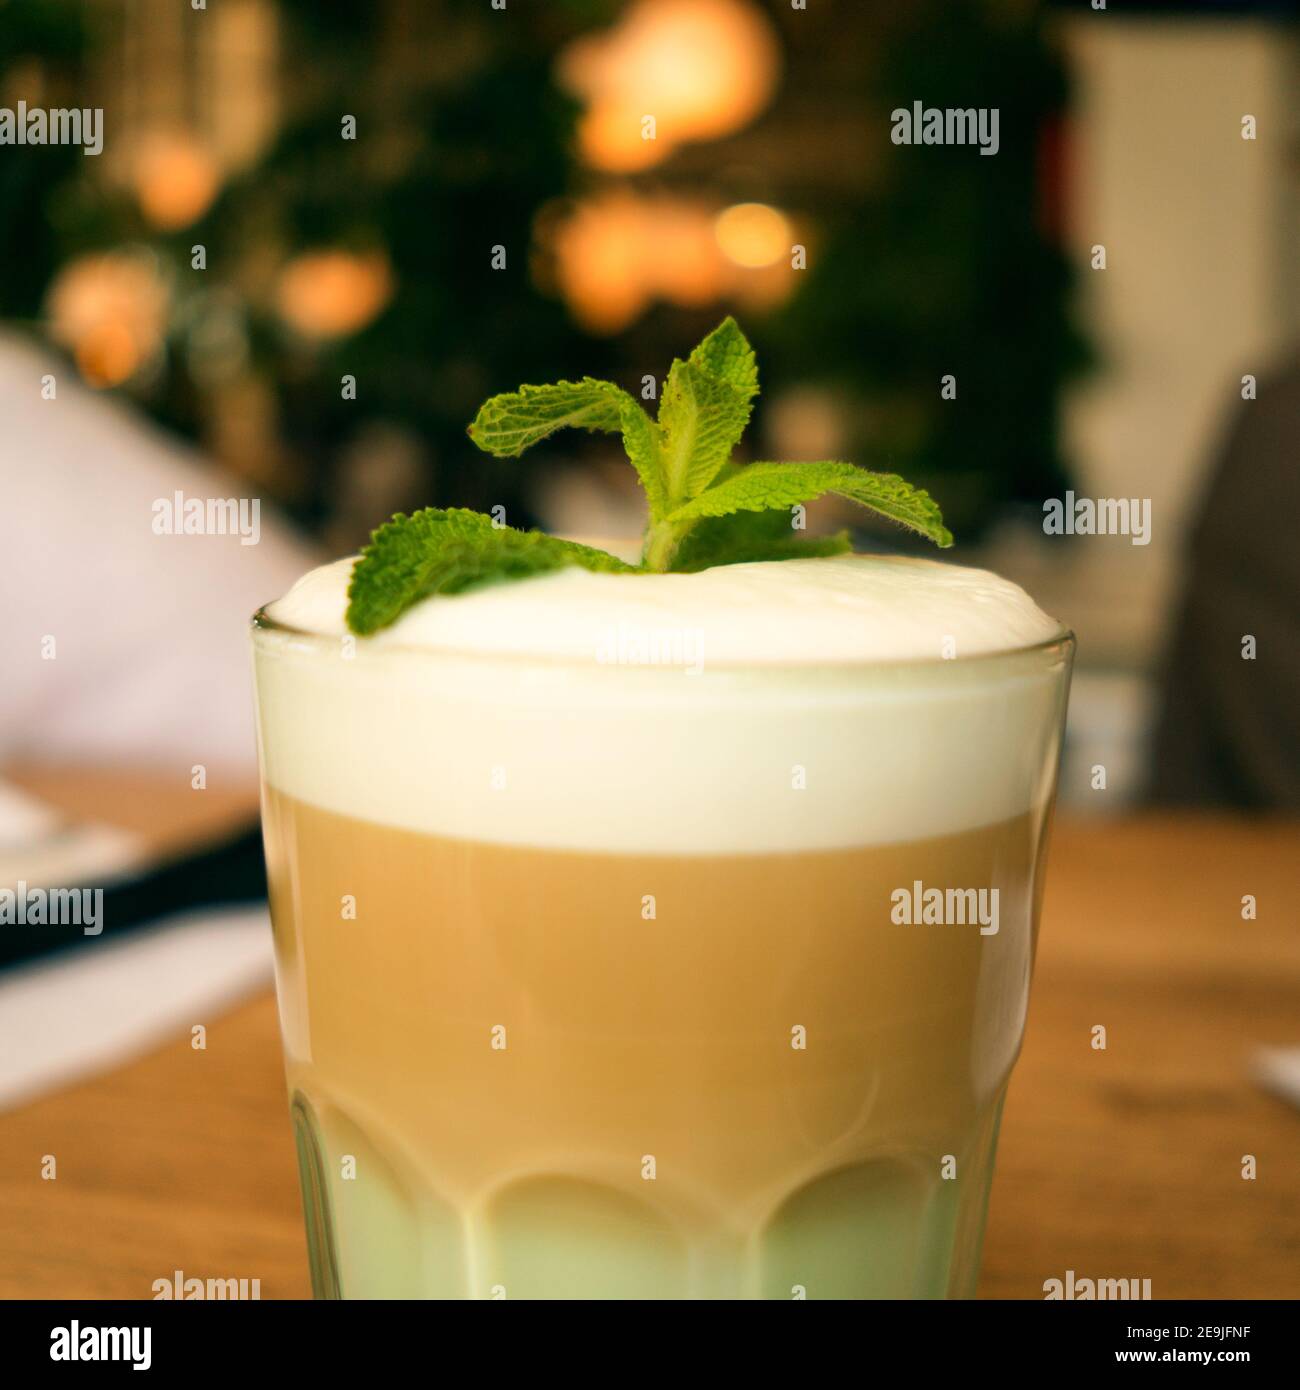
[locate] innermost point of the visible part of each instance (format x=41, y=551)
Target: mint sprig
x=704, y=510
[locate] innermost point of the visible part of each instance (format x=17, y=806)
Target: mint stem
x=661, y=542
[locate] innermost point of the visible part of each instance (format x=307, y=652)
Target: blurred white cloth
x=81, y=1013
x=150, y=631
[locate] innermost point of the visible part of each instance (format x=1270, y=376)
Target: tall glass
x=602, y=980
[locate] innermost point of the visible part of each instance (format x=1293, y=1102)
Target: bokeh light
x=753, y=235
x=701, y=68
x=331, y=294
x=110, y=312
x=175, y=179
x=617, y=252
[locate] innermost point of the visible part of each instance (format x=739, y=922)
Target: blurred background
x=234, y=254
x=320, y=233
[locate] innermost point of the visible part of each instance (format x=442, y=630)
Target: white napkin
x=100, y=1004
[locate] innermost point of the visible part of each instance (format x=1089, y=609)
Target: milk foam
x=847, y=608
x=806, y=704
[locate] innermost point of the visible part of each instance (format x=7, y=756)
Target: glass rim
x=1064, y=639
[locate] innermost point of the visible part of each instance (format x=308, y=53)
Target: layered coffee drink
x=657, y=935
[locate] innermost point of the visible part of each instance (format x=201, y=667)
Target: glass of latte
x=657, y=935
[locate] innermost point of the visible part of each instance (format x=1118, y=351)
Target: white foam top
x=849, y=608
x=760, y=708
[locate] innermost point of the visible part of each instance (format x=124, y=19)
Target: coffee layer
x=497, y=1037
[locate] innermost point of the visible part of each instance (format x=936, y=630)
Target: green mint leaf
x=705, y=408
x=508, y=424
x=759, y=487
x=742, y=537
x=641, y=442
x=701, y=419
x=437, y=551
x=727, y=355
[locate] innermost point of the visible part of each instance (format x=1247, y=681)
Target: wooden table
x=1123, y=1163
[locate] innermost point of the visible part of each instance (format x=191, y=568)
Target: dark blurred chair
x=1228, y=733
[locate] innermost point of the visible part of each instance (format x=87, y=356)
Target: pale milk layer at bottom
x=791, y=706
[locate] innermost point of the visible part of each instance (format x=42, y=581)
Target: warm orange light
x=600, y=262
x=330, y=294
x=700, y=69
x=175, y=180
x=110, y=312
x=682, y=266
x=616, y=253
x=610, y=138
x=753, y=235
x=107, y=355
